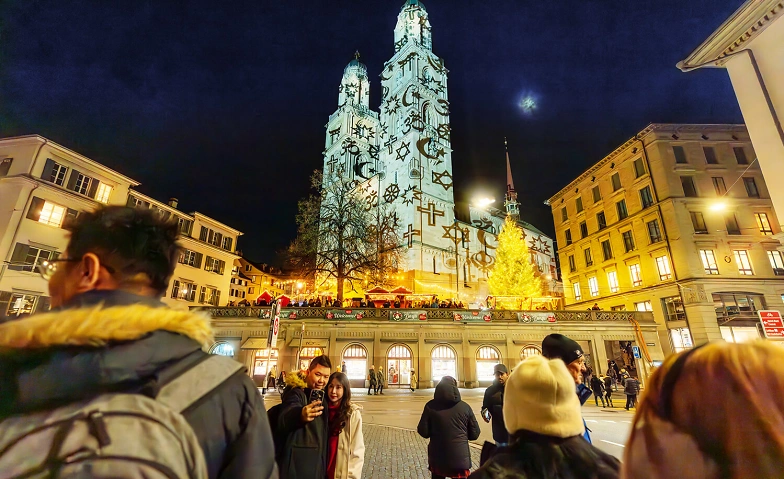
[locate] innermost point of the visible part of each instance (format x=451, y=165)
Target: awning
x=254, y=343
x=401, y=290
x=377, y=290
x=307, y=343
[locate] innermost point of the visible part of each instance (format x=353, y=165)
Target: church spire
x=510, y=201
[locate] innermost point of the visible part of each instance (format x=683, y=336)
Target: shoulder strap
x=196, y=382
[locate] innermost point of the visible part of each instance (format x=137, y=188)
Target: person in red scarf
x=346, y=445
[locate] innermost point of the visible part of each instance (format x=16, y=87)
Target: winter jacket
x=608, y=384
x=583, y=393
x=450, y=424
x=351, y=447
x=303, y=454
x=597, y=386
x=631, y=387
x=116, y=341
x=372, y=378
x=533, y=456
x=494, y=402
x=380, y=377
x=413, y=381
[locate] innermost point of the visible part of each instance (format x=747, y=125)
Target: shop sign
x=407, y=315
x=272, y=336
x=288, y=313
x=536, y=317
x=636, y=351
x=772, y=324
x=474, y=316
x=344, y=314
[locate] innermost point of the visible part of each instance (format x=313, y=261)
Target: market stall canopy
x=401, y=290
x=378, y=290
x=284, y=301
x=265, y=296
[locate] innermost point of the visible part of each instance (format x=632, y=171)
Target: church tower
x=510, y=200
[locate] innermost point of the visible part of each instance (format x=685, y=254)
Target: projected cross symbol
x=332, y=163
x=409, y=235
x=431, y=212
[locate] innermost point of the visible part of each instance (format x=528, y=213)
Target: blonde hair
x=725, y=415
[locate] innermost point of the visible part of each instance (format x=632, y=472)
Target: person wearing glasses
x=109, y=333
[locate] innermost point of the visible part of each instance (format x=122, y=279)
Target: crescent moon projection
x=405, y=94
x=390, y=68
x=421, y=147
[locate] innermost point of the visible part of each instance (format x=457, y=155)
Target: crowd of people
x=112, y=383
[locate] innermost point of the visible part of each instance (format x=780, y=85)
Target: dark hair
x=134, y=242
x=344, y=409
x=322, y=360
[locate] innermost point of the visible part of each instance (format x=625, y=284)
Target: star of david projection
x=444, y=179
x=391, y=193
x=403, y=151
x=443, y=131
x=409, y=234
x=399, y=44
x=452, y=232
x=431, y=213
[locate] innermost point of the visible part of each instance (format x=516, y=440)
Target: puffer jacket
x=631, y=387
x=494, y=402
x=450, y=424
x=351, y=447
x=372, y=378
x=116, y=341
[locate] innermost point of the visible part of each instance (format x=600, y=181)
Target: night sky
x=223, y=104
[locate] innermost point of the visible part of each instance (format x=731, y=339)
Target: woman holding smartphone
x=346, y=446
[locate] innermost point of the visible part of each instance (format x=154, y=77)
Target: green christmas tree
x=513, y=274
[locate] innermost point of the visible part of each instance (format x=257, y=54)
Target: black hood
x=447, y=392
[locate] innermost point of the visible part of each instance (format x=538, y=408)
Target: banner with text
x=344, y=314
x=408, y=315
x=536, y=317
x=472, y=316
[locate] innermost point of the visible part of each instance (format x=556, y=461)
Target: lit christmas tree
x=513, y=273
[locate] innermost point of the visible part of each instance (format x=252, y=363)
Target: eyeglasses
x=47, y=268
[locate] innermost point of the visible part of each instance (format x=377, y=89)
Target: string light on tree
x=513, y=273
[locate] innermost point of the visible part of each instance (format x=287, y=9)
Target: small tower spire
x=510, y=201
x=356, y=55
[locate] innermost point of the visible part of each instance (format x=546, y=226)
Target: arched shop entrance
x=307, y=355
x=260, y=364
x=486, y=359
x=355, y=356
x=443, y=362
x=222, y=348
x=528, y=351
x=398, y=365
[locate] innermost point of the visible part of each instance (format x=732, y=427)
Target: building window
x=5, y=166
x=634, y=272
x=227, y=243
x=81, y=183
x=743, y=261
x=578, y=203
x=184, y=226
x=612, y=281
x=654, y=233
x=52, y=214
x=214, y=265
x=645, y=197
x=486, y=359
x=621, y=208
x=102, y=195
x=732, y=224
x=568, y=236
x=776, y=262
x=54, y=172
x=184, y=290
x=639, y=168
x=740, y=155
x=763, y=223
x=577, y=295
x=564, y=214
x=222, y=348
x=698, y=222
x=643, y=306
x=663, y=265
x=681, y=339
x=621, y=307
x=529, y=351
x=16, y=305
x=606, y=250
x=680, y=154
x=735, y=306
x=597, y=194
x=593, y=286
x=28, y=258
x=443, y=362
x=583, y=229
x=751, y=187
x=673, y=308
x=710, y=155
x=572, y=265
x=191, y=258
x=689, y=190
x=709, y=261
x=210, y=295
x=601, y=221
x=616, y=181
x=588, y=257
x=628, y=241
x=719, y=186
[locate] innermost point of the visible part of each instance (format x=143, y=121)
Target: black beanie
x=558, y=346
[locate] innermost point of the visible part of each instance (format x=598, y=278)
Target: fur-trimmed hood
x=296, y=379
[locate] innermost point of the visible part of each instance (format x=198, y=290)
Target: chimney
x=173, y=202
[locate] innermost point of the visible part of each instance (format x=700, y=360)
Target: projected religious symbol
x=444, y=179
x=391, y=193
x=409, y=234
x=403, y=151
x=431, y=213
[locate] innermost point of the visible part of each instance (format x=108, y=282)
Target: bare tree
x=344, y=235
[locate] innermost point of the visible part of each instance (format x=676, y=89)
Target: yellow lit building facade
x=678, y=221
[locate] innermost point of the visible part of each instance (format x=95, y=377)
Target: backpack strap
x=197, y=382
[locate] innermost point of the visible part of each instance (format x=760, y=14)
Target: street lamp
x=483, y=202
x=718, y=206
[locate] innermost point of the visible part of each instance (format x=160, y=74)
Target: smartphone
x=486, y=414
x=317, y=395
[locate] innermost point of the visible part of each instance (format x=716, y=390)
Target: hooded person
x=108, y=335
x=449, y=423
x=542, y=416
x=558, y=346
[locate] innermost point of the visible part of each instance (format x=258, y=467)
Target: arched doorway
x=443, y=362
x=222, y=348
x=355, y=356
x=260, y=365
x=528, y=351
x=398, y=365
x=307, y=355
x=486, y=359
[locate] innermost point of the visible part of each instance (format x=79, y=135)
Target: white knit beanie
x=540, y=396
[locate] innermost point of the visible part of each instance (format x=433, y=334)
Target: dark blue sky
x=223, y=104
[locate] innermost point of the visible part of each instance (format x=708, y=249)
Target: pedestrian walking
x=346, y=453
x=380, y=381
x=449, y=423
x=109, y=344
x=543, y=417
x=413, y=380
x=343, y=368
x=493, y=403
x=608, y=384
x=711, y=412
x=372, y=382
x=597, y=386
x=631, y=388
x=558, y=346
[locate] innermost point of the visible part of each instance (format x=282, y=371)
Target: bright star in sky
x=528, y=104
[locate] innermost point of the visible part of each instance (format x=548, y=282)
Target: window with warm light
x=593, y=286
x=52, y=214
x=577, y=295
x=743, y=261
x=709, y=261
x=184, y=290
x=776, y=262
x=663, y=266
x=643, y=306
x=612, y=281
x=673, y=308
x=103, y=193
x=763, y=223
x=636, y=275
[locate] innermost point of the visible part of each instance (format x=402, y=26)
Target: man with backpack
x=111, y=382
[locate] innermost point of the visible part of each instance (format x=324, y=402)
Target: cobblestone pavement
x=398, y=453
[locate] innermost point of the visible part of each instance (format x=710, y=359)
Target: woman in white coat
x=346, y=446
